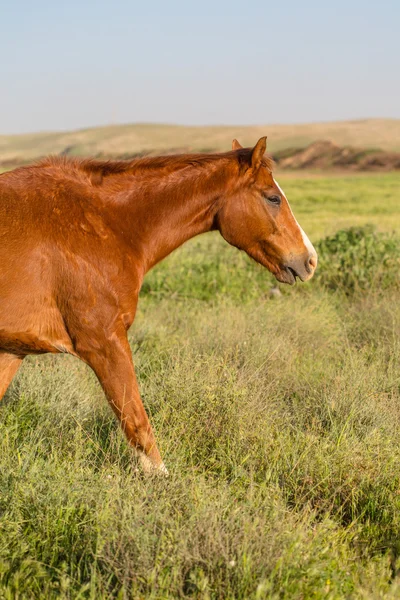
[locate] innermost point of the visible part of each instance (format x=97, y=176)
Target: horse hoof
x=150, y=468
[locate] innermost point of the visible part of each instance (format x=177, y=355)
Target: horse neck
x=159, y=216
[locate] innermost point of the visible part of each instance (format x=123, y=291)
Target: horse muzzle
x=303, y=268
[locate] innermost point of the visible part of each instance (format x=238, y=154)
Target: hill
x=324, y=155
x=130, y=139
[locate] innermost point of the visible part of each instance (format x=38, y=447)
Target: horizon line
x=196, y=126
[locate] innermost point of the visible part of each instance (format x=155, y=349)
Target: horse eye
x=273, y=199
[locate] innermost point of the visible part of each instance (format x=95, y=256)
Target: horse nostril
x=312, y=261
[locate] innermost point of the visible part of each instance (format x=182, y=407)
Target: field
x=277, y=415
x=129, y=139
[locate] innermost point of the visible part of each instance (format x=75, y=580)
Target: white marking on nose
x=306, y=240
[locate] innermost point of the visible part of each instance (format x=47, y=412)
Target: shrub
x=359, y=258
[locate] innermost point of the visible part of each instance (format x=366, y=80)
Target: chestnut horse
x=78, y=236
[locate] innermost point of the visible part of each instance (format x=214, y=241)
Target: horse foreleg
x=114, y=368
x=9, y=365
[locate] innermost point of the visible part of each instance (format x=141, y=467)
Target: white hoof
x=149, y=467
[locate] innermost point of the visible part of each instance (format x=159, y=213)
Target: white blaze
x=306, y=240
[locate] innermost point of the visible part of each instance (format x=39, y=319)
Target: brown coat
x=78, y=236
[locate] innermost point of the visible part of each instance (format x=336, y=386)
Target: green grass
x=326, y=204
x=278, y=419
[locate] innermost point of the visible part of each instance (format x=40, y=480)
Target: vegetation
x=129, y=139
x=278, y=418
x=359, y=258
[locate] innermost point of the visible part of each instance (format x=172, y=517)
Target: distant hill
x=119, y=140
x=324, y=155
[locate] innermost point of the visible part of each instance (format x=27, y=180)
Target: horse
x=77, y=237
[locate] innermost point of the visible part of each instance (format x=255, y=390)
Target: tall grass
x=278, y=418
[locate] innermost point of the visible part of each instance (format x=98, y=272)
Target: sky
x=77, y=64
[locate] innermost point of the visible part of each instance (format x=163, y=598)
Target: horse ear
x=236, y=145
x=258, y=152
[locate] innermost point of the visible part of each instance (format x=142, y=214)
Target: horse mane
x=96, y=170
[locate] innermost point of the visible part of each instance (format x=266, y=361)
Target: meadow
x=278, y=417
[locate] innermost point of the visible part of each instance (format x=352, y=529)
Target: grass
x=326, y=204
x=120, y=139
x=278, y=419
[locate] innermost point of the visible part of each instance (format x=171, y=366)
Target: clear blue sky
x=76, y=64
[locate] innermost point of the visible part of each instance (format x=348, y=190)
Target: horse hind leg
x=9, y=365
